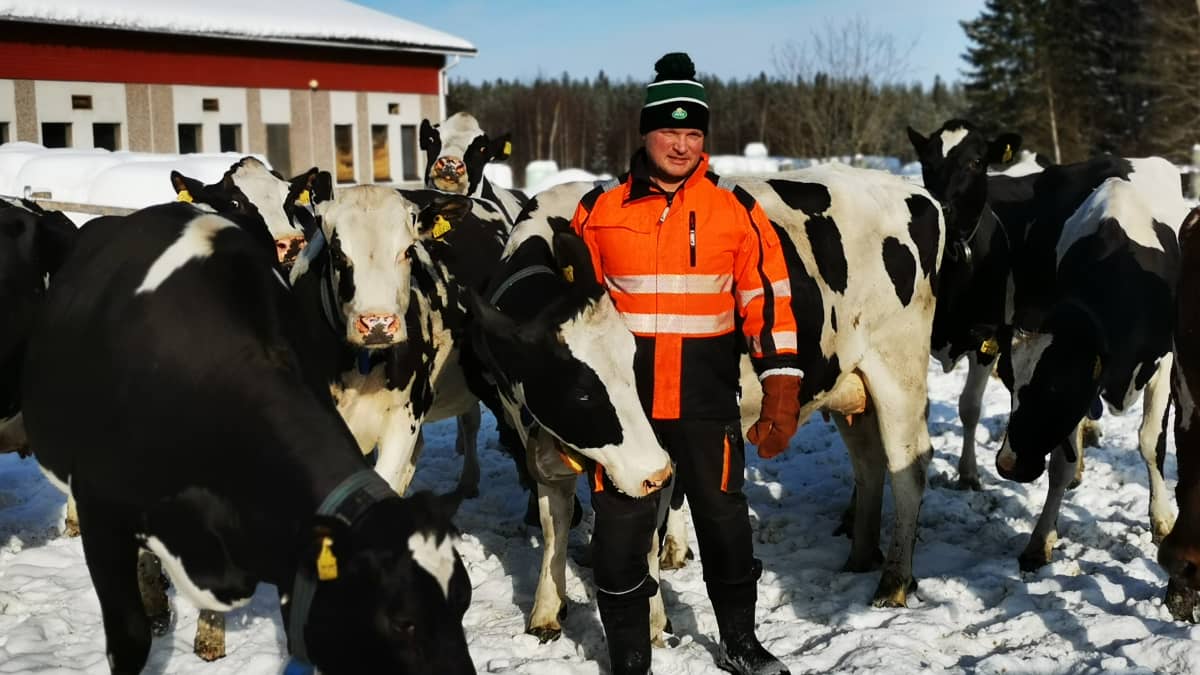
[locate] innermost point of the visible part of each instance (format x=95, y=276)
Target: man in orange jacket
x=688, y=260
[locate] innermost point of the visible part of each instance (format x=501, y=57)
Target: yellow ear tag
x=326, y=562
x=570, y=461
x=440, y=226
x=507, y=148
x=1007, y=152
x=1097, y=368
x=569, y=274
x=184, y=196
x=990, y=347
x=304, y=198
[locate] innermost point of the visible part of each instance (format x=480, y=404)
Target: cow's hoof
x=71, y=528
x=1160, y=530
x=893, y=591
x=674, y=556
x=545, y=634
x=1032, y=561
x=160, y=624
x=846, y=527
x=210, y=636
x=860, y=564
x=971, y=483
x=1182, y=601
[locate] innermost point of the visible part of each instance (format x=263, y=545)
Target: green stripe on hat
x=676, y=90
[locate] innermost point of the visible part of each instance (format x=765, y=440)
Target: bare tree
x=834, y=106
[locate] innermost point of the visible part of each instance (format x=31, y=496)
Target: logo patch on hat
x=679, y=114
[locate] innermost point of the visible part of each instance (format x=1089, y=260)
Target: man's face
x=674, y=152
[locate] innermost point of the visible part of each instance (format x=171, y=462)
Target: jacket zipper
x=692, y=236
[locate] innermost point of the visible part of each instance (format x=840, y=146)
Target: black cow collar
x=347, y=502
x=333, y=316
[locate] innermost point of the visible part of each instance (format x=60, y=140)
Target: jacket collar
x=639, y=185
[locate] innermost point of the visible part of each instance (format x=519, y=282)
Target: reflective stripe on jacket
x=688, y=270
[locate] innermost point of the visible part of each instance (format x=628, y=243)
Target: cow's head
x=457, y=150
x=569, y=362
x=954, y=161
x=1054, y=377
x=371, y=231
x=286, y=207
x=33, y=244
x=397, y=599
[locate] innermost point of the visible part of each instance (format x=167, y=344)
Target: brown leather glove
x=780, y=415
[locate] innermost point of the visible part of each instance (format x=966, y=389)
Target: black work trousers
x=709, y=459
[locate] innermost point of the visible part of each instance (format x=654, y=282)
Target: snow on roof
x=295, y=20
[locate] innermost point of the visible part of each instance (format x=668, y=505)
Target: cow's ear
x=54, y=237
x=445, y=211
x=327, y=554
x=186, y=189
x=918, y=141
x=575, y=262
x=322, y=187
x=429, y=138
x=500, y=148
x=300, y=188
x=1003, y=148
x=492, y=321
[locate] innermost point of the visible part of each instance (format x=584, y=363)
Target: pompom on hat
x=674, y=100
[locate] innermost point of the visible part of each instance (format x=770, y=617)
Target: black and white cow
x=562, y=359
x=456, y=151
x=287, y=207
x=33, y=244
x=201, y=429
x=999, y=268
x=1108, y=333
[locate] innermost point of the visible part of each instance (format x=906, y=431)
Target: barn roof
x=327, y=22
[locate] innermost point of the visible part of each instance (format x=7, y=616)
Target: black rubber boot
x=741, y=652
x=626, y=622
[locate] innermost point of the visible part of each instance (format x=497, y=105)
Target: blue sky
x=523, y=38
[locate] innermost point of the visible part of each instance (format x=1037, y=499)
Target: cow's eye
x=235, y=203
x=403, y=628
x=977, y=164
x=580, y=395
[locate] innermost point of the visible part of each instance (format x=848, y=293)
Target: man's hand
x=780, y=415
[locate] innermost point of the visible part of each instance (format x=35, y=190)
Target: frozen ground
x=1097, y=608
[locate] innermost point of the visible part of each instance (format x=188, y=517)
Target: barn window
x=3, y=132
x=279, y=148
x=381, y=161
x=106, y=135
x=343, y=144
x=189, y=138
x=408, y=151
x=210, y=104
x=56, y=134
x=231, y=138
x=393, y=108
x=81, y=102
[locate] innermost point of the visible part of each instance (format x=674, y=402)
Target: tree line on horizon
x=1076, y=78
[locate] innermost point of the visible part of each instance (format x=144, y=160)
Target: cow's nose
x=449, y=168
x=287, y=248
x=657, y=480
x=378, y=326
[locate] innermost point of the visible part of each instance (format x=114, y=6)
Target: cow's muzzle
x=288, y=249
x=378, y=329
x=656, y=480
x=1020, y=468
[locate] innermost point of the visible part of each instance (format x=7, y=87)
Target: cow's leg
x=900, y=408
x=658, y=610
x=71, y=524
x=866, y=457
x=675, y=550
x=153, y=586
x=1152, y=441
x=550, y=601
x=467, y=445
x=111, y=552
x=399, y=448
x=970, y=405
x=1045, y=534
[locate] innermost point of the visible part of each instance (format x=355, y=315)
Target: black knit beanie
x=674, y=100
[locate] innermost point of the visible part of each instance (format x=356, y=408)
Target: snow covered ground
x=1097, y=608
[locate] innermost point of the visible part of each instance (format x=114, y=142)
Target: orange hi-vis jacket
x=686, y=270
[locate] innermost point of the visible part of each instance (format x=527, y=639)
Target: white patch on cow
x=1131, y=393
x=598, y=337
x=558, y=201
x=268, y=193
x=202, y=598
x=194, y=243
x=1117, y=199
x=1026, y=354
x=436, y=558
x=457, y=133
x=951, y=138
x=1157, y=180
x=375, y=227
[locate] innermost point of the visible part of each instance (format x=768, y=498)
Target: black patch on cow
x=808, y=306
x=343, y=268
x=924, y=230
x=811, y=198
x=833, y=318
x=826, y=242
x=901, y=267
x=559, y=224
